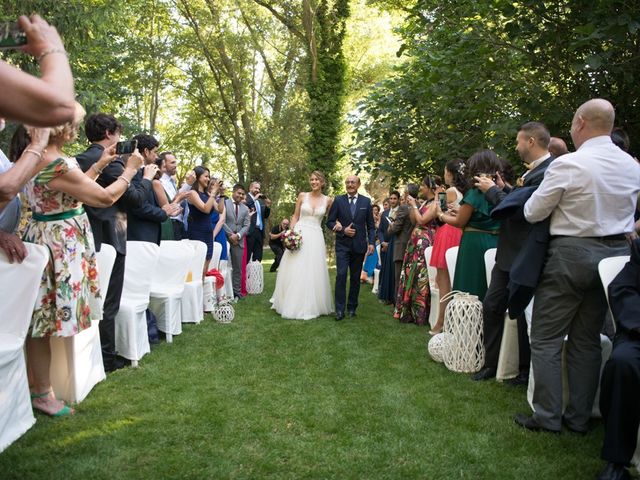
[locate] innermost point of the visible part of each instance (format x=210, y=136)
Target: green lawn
x=264, y=397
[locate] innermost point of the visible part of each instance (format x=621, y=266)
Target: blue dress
x=221, y=237
x=200, y=225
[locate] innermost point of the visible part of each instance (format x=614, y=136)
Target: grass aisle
x=269, y=398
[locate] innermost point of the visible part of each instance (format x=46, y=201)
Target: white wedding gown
x=302, y=286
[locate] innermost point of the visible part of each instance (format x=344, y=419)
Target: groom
x=351, y=218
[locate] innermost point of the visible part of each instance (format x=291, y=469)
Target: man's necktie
x=352, y=201
x=236, y=204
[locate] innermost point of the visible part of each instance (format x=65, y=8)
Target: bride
x=302, y=286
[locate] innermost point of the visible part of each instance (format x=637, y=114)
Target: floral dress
x=413, y=299
x=70, y=280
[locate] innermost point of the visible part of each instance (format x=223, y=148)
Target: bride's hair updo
x=320, y=175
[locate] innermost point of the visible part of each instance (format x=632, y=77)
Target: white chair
x=192, y=298
x=217, y=253
x=433, y=286
x=226, y=269
x=210, y=298
x=167, y=286
x=76, y=362
x=451, y=256
x=19, y=284
x=132, y=338
x=376, y=273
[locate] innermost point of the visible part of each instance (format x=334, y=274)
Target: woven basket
x=255, y=281
x=463, y=321
x=224, y=312
x=437, y=346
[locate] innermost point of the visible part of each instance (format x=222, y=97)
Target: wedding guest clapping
x=386, y=284
x=413, y=300
x=275, y=242
x=70, y=278
x=401, y=227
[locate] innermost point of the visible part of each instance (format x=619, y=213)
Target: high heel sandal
x=63, y=412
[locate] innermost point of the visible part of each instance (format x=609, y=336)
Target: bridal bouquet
x=292, y=240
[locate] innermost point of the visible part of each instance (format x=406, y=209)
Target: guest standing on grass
x=202, y=200
x=401, y=226
x=386, y=283
x=70, y=280
x=275, y=242
x=413, y=300
x=236, y=227
x=218, y=216
x=590, y=196
x=480, y=231
x=447, y=236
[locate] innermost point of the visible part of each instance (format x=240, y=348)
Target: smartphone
x=11, y=36
x=442, y=198
x=125, y=148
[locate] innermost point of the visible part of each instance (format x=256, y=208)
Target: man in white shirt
x=169, y=184
x=590, y=195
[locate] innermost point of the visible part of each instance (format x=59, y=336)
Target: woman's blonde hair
x=320, y=175
x=67, y=131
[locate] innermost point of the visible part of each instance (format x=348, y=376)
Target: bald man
x=557, y=147
x=590, y=195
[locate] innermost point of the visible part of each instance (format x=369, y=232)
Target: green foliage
x=476, y=71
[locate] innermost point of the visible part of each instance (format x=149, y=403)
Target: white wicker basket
x=463, y=321
x=224, y=312
x=437, y=346
x=255, y=282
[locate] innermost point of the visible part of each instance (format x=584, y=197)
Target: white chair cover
x=489, y=262
x=376, y=273
x=226, y=269
x=76, y=362
x=451, y=255
x=132, y=339
x=217, y=253
x=167, y=286
x=435, y=293
x=19, y=283
x=192, y=298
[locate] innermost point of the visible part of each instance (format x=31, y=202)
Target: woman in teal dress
x=480, y=231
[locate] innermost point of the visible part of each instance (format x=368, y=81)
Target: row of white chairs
x=167, y=279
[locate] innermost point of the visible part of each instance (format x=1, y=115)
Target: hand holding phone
x=126, y=148
x=442, y=198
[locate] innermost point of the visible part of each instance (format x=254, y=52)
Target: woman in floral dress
x=70, y=278
x=413, y=299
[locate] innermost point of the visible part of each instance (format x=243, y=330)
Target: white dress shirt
x=169, y=185
x=588, y=193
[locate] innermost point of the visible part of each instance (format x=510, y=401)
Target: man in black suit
x=401, y=226
x=532, y=144
x=275, y=242
x=351, y=218
x=257, y=202
x=143, y=222
x=109, y=225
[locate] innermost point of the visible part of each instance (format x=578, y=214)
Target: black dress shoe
x=339, y=316
x=485, y=374
x=351, y=313
x=530, y=423
x=520, y=380
x=614, y=471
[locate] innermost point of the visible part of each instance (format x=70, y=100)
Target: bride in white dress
x=302, y=286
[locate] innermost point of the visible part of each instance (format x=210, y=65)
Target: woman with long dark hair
x=413, y=299
x=480, y=231
x=447, y=236
x=202, y=200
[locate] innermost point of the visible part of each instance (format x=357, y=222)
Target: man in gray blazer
x=236, y=226
x=401, y=226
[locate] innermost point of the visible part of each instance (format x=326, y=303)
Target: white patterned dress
x=70, y=279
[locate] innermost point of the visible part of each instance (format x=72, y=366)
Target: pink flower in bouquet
x=292, y=240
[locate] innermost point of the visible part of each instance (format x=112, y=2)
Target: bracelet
x=95, y=167
x=35, y=152
x=50, y=51
x=124, y=178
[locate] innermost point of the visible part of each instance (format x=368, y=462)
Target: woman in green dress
x=479, y=230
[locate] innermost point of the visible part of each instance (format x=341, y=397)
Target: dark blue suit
x=350, y=251
x=143, y=222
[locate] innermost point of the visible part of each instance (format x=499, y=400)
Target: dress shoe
x=339, y=316
x=614, y=471
x=486, y=373
x=530, y=423
x=520, y=380
x=351, y=313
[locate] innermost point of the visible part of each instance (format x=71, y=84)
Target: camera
x=442, y=198
x=126, y=148
x=11, y=36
